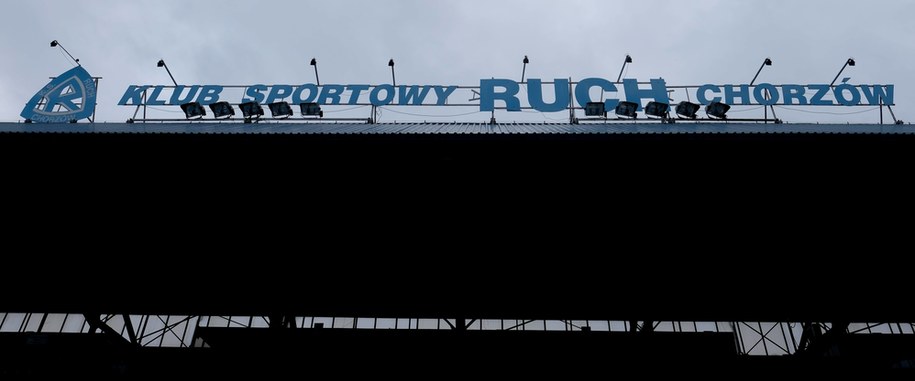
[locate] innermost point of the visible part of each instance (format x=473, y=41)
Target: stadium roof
x=455, y=128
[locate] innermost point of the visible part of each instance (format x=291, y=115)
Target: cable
x=67, y=58
x=164, y=110
x=555, y=120
x=181, y=112
x=748, y=110
x=429, y=116
x=345, y=110
x=827, y=112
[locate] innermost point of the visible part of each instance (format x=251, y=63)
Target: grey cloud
x=243, y=42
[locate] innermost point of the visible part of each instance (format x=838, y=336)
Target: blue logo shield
x=68, y=98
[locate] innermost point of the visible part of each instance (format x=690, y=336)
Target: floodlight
x=657, y=109
x=311, y=109
x=193, y=110
x=627, y=109
x=280, y=110
x=251, y=110
x=596, y=109
x=222, y=110
x=718, y=110
x=688, y=109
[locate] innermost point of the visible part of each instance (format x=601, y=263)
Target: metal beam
x=131, y=332
x=814, y=341
x=96, y=324
x=278, y=321
x=648, y=326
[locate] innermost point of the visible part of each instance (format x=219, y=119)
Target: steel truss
x=178, y=331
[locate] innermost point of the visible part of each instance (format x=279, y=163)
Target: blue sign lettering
x=535, y=96
x=874, y=94
x=67, y=94
x=794, y=93
x=766, y=94
x=375, y=96
x=742, y=92
x=356, y=92
x=133, y=96
x=209, y=95
x=255, y=94
x=413, y=95
x=489, y=96
x=153, y=99
x=331, y=95
x=443, y=93
x=583, y=91
x=312, y=94
x=658, y=91
x=176, y=96
x=278, y=93
x=702, y=94
x=821, y=91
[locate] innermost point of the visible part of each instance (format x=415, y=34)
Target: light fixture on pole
x=850, y=62
x=393, y=78
x=162, y=64
x=55, y=44
x=767, y=62
x=314, y=62
x=524, y=69
x=626, y=62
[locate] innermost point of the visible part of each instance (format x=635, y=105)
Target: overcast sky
x=456, y=42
